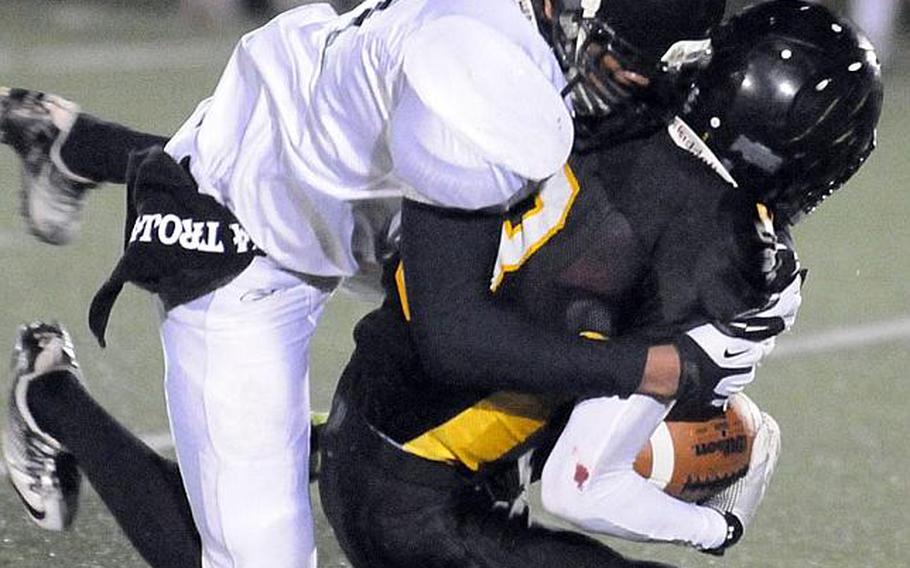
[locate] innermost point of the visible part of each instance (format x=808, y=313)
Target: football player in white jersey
x=319, y=127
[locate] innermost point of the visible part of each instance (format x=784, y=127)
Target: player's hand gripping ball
x=693, y=461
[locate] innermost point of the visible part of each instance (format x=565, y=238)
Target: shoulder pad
x=486, y=88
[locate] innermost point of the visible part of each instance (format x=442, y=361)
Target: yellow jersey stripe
x=517, y=242
x=484, y=432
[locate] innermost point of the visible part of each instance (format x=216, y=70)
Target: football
x=693, y=461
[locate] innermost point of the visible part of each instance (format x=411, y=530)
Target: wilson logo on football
x=694, y=460
x=736, y=445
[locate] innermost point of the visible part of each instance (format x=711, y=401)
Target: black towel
x=179, y=244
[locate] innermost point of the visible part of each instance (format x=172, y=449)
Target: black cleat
x=36, y=125
x=43, y=474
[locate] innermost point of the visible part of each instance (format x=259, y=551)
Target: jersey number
x=520, y=240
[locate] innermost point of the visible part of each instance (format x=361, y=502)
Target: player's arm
x=85, y=148
x=464, y=337
x=589, y=480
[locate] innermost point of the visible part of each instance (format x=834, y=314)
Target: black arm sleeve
x=466, y=339
x=100, y=150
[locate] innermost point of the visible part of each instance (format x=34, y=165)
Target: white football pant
x=237, y=386
x=589, y=479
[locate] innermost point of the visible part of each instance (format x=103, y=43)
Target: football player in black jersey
x=645, y=238
x=455, y=397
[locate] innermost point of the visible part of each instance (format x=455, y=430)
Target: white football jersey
x=321, y=123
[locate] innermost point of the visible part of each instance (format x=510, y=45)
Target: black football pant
x=391, y=509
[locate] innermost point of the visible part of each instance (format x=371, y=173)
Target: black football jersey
x=641, y=239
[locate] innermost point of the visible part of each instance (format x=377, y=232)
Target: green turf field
x=841, y=495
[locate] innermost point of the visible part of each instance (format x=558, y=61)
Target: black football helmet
x=636, y=33
x=789, y=103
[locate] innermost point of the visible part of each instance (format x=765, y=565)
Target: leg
x=396, y=522
x=99, y=150
x=541, y=546
x=589, y=479
x=64, y=153
x=412, y=512
x=142, y=489
x=53, y=421
x=238, y=400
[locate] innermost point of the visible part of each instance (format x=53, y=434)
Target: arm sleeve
x=465, y=338
x=589, y=478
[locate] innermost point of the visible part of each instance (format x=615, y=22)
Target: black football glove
x=715, y=365
x=778, y=315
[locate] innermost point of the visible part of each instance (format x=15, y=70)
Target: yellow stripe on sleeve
x=402, y=292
